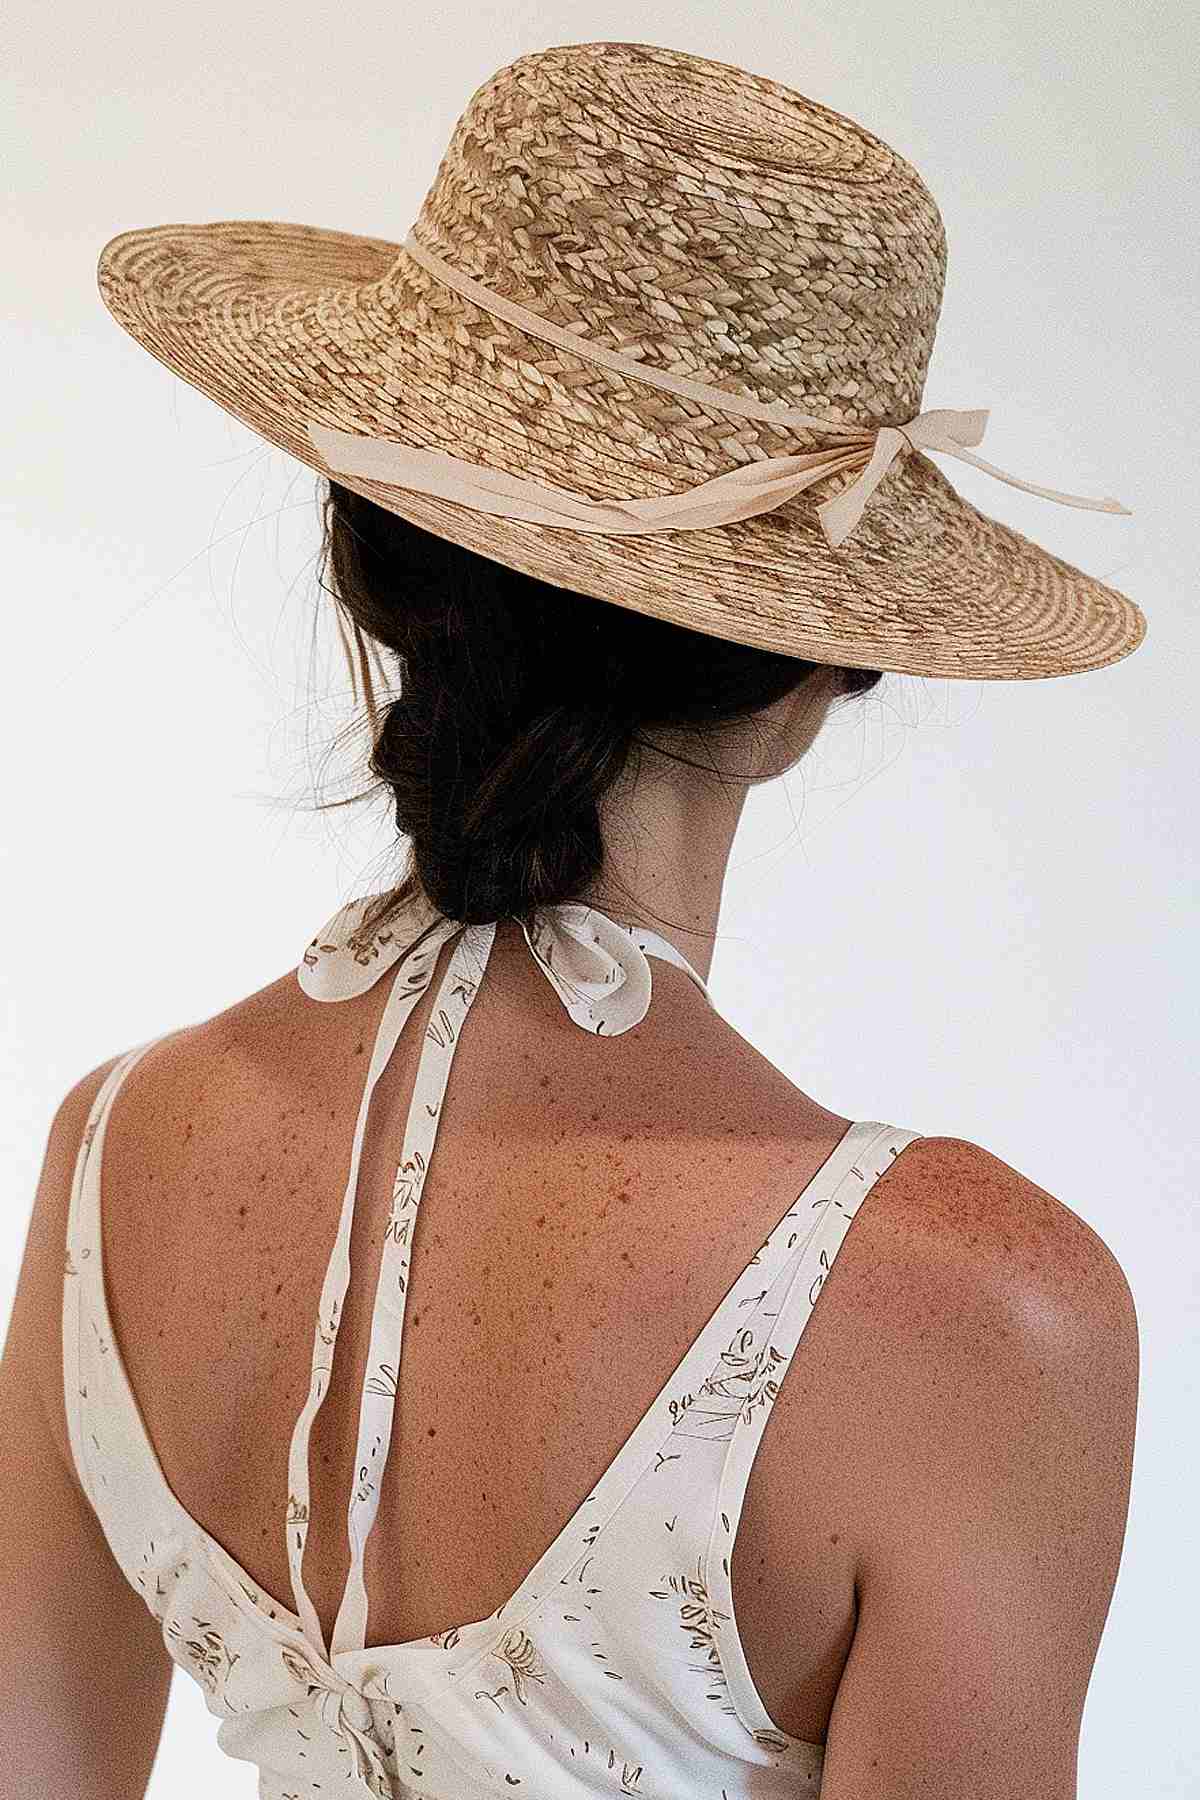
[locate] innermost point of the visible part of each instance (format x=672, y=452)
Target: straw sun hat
x=659, y=334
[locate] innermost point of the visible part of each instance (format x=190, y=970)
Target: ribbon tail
x=369, y=1765
x=448, y=478
x=739, y=493
x=1107, y=504
x=840, y=515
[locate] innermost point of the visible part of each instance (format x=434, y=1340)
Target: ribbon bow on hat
x=755, y=487
x=939, y=429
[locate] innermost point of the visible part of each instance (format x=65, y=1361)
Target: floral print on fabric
x=616, y=1667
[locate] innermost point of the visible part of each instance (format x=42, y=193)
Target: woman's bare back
x=589, y=1204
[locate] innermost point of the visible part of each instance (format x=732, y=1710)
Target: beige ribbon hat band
x=754, y=487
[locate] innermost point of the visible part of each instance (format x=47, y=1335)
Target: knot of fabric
x=347, y=1713
x=939, y=429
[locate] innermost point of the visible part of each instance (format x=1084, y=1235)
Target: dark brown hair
x=518, y=706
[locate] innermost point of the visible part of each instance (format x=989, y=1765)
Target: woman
x=454, y=1483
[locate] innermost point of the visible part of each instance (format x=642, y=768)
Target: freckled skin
x=939, y=1341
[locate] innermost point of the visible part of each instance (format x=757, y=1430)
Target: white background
x=978, y=897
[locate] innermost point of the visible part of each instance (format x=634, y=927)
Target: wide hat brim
x=285, y=324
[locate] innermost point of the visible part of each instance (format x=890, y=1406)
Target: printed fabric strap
x=740, y=493
x=412, y=978
x=377, y=1401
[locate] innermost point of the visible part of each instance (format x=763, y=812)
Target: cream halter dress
x=616, y=1666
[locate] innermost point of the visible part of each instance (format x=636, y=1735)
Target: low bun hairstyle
x=518, y=707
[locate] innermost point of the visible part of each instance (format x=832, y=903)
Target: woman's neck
x=667, y=849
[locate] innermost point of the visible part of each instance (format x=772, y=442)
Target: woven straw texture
x=709, y=222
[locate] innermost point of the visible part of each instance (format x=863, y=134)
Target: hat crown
x=705, y=220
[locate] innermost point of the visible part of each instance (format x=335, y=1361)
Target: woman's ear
x=787, y=728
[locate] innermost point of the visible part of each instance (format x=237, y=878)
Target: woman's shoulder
x=964, y=1284
x=975, y=1370
x=956, y=1210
